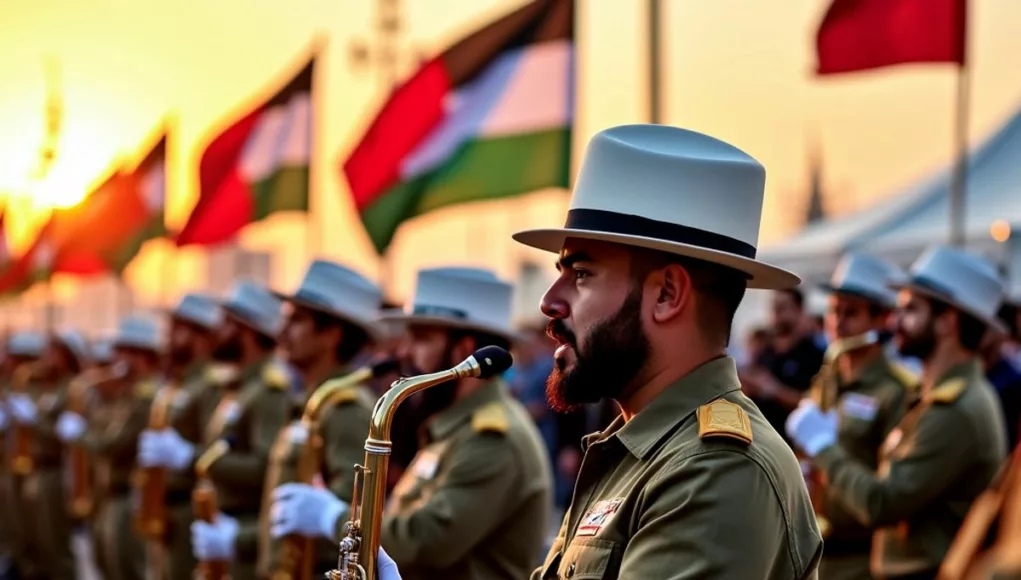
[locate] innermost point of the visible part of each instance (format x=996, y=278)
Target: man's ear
x=673, y=289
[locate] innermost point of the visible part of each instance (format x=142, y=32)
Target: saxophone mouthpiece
x=385, y=366
x=491, y=361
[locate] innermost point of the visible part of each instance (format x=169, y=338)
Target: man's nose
x=553, y=304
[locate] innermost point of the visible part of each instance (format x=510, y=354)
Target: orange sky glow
x=737, y=69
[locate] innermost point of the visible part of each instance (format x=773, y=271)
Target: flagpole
x=959, y=183
x=654, y=62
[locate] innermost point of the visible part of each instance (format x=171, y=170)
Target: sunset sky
x=737, y=69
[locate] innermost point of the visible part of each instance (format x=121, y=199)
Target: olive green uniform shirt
x=343, y=428
x=868, y=407
x=475, y=502
x=942, y=454
x=696, y=485
x=191, y=403
x=249, y=417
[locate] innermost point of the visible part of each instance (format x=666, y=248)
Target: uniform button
x=570, y=569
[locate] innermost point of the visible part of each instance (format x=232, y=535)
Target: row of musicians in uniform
x=208, y=407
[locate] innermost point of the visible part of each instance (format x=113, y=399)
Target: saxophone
x=360, y=546
x=81, y=500
x=206, y=506
x=152, y=483
x=827, y=381
x=22, y=462
x=300, y=550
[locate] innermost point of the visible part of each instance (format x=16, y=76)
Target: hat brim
x=452, y=323
x=856, y=293
x=375, y=334
x=761, y=276
x=235, y=314
x=991, y=322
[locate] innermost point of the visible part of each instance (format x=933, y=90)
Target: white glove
x=812, y=429
x=149, y=449
x=305, y=510
x=214, y=542
x=386, y=567
x=165, y=448
x=70, y=426
x=23, y=409
x=4, y=419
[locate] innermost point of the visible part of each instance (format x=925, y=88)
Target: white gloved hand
x=70, y=426
x=177, y=451
x=386, y=567
x=23, y=409
x=305, y=510
x=149, y=449
x=214, y=542
x=812, y=429
x=4, y=419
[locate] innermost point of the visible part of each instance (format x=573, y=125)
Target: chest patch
x=426, y=464
x=597, y=517
x=859, y=406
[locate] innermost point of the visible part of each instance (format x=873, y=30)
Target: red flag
x=858, y=35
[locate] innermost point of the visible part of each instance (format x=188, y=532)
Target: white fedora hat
x=26, y=343
x=256, y=307
x=75, y=343
x=340, y=292
x=867, y=277
x=960, y=279
x=139, y=332
x=200, y=310
x=463, y=298
x=673, y=190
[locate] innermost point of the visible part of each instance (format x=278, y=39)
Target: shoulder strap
x=721, y=418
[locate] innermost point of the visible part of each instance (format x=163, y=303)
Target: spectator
x=1003, y=374
x=533, y=363
x=779, y=378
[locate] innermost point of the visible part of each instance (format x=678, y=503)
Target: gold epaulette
x=721, y=418
x=948, y=391
x=905, y=376
x=275, y=376
x=146, y=388
x=490, y=418
x=220, y=374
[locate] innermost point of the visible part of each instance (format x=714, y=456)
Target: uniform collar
x=706, y=383
x=449, y=419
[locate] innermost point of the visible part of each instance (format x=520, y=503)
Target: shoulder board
x=146, y=389
x=347, y=393
x=904, y=375
x=721, y=418
x=490, y=418
x=948, y=391
x=275, y=376
x=221, y=374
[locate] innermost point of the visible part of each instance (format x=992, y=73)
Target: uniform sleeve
x=271, y=411
x=344, y=433
x=715, y=515
x=939, y=456
x=438, y=533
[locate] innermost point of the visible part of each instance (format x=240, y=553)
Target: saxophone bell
x=360, y=545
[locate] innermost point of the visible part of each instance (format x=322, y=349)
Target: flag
x=121, y=214
x=5, y=250
x=490, y=117
x=35, y=265
x=256, y=167
x=859, y=35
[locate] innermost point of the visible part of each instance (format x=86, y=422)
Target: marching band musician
x=22, y=348
x=194, y=323
x=870, y=391
x=250, y=413
x=111, y=433
x=331, y=320
x=475, y=501
x=951, y=441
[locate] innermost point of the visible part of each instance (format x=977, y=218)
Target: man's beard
x=181, y=355
x=228, y=350
x=615, y=352
x=920, y=346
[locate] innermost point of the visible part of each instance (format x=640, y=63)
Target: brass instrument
x=152, y=481
x=828, y=391
x=22, y=462
x=81, y=500
x=206, y=507
x=360, y=546
x=301, y=549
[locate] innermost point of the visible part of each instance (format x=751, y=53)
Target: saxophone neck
x=209, y=457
